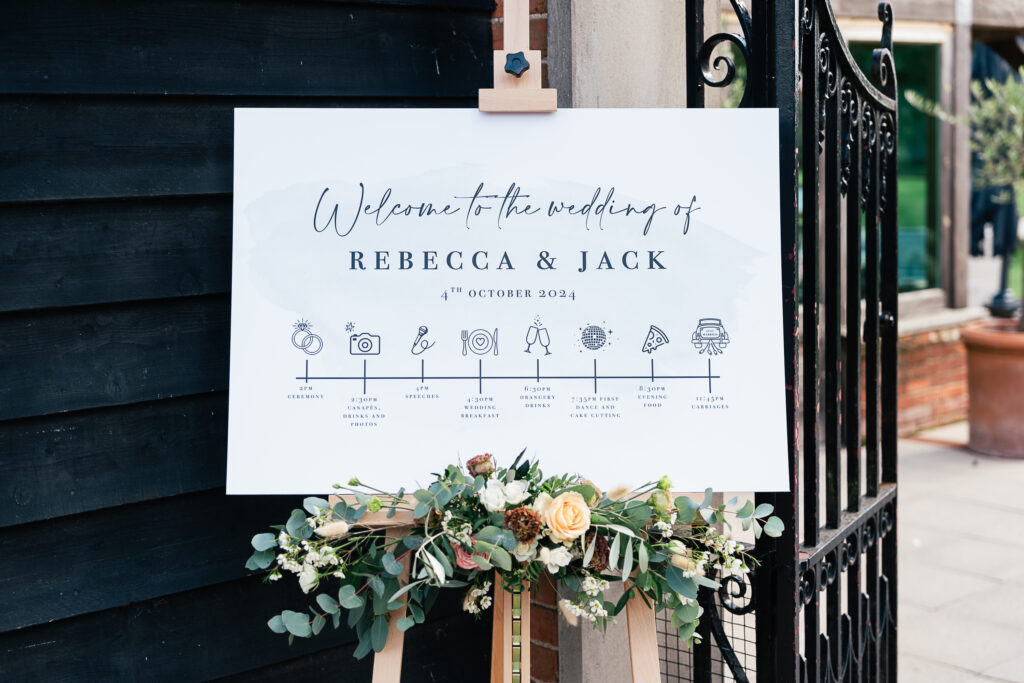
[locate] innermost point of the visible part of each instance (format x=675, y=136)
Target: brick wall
x=932, y=379
x=538, y=31
x=544, y=633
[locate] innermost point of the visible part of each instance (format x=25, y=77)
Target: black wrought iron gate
x=824, y=598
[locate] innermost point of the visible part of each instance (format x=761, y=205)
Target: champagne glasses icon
x=531, y=337
x=545, y=340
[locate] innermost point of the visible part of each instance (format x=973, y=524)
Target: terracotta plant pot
x=995, y=387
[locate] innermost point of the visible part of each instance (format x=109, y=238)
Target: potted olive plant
x=995, y=347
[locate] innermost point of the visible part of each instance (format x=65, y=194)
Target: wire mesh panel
x=677, y=660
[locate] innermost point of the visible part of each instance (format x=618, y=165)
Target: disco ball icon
x=593, y=337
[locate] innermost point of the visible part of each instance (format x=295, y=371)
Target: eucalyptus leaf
x=348, y=598
x=379, y=634
x=412, y=541
x=296, y=525
x=764, y=509
x=263, y=558
x=774, y=527
x=391, y=565
x=488, y=534
x=501, y=558
x=264, y=541
x=364, y=648
x=688, y=612
x=405, y=623
x=706, y=582
x=508, y=540
x=417, y=612
x=297, y=623
x=318, y=624
x=679, y=583
x=314, y=505
x=686, y=509
x=482, y=562
x=376, y=585
x=746, y=510
x=327, y=603
x=707, y=498
x=276, y=624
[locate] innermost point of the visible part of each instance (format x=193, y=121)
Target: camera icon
x=364, y=344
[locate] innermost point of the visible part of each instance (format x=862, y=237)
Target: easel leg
x=643, y=642
x=387, y=664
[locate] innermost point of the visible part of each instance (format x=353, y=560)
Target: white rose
x=525, y=552
x=554, y=558
x=516, y=491
x=308, y=578
x=493, y=497
x=542, y=503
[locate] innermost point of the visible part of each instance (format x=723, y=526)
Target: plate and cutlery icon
x=480, y=342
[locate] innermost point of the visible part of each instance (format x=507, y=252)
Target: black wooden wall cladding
x=120, y=556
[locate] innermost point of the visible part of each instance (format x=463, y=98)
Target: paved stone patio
x=961, y=561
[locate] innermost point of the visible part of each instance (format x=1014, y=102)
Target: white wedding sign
x=412, y=287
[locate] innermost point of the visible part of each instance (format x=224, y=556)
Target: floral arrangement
x=474, y=523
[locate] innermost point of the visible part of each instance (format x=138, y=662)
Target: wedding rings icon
x=305, y=340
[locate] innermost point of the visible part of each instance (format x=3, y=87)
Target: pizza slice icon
x=655, y=338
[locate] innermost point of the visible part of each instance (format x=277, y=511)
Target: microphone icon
x=419, y=345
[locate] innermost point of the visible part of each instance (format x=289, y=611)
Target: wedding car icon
x=710, y=336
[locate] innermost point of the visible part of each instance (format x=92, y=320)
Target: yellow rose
x=568, y=517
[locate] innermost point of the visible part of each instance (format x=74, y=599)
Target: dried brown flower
x=524, y=522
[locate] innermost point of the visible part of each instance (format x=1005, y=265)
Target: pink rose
x=480, y=464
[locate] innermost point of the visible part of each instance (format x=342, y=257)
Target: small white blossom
x=594, y=586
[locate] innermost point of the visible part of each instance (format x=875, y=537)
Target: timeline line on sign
x=480, y=376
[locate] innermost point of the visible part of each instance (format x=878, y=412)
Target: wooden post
x=513, y=93
x=387, y=664
x=510, y=635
